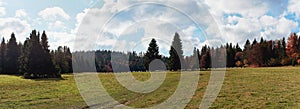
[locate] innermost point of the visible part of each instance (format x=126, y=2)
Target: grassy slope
x=243, y=88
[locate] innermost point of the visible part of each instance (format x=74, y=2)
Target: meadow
x=276, y=87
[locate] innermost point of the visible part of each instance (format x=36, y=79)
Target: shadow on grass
x=48, y=79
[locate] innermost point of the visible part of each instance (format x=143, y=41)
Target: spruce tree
x=152, y=53
x=47, y=65
x=176, y=54
x=23, y=59
x=12, y=55
x=282, y=51
x=2, y=55
x=237, y=47
x=36, y=57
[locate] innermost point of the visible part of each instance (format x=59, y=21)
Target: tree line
x=263, y=53
x=33, y=59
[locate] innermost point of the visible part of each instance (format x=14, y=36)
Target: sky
x=129, y=25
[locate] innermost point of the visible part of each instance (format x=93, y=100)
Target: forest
x=263, y=53
x=33, y=59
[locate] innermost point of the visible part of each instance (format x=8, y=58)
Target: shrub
x=285, y=61
x=239, y=64
x=274, y=62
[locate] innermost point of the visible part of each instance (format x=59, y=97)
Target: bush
x=274, y=62
x=239, y=64
x=285, y=61
x=298, y=61
x=246, y=63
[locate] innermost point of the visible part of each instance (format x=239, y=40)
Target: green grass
x=276, y=87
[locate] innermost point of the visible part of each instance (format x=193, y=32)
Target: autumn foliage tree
x=292, y=47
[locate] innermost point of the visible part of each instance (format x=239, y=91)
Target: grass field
x=276, y=87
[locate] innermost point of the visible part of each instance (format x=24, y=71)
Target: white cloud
x=56, y=26
x=54, y=13
x=246, y=8
x=293, y=7
x=2, y=11
x=61, y=39
x=20, y=27
x=21, y=13
x=241, y=19
x=237, y=20
x=157, y=21
x=211, y=43
x=54, y=19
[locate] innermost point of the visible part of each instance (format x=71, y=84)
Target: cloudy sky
x=127, y=25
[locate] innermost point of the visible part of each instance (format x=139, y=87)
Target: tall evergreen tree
x=2, y=55
x=230, y=55
x=254, y=42
x=205, y=61
x=12, y=55
x=238, y=48
x=176, y=54
x=23, y=59
x=152, y=53
x=36, y=58
x=282, y=51
x=247, y=45
x=47, y=66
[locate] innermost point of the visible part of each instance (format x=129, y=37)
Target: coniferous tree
x=23, y=59
x=12, y=55
x=47, y=65
x=205, y=61
x=176, y=54
x=247, y=45
x=2, y=55
x=62, y=59
x=195, y=59
x=254, y=42
x=283, y=49
x=152, y=53
x=238, y=48
x=41, y=67
x=230, y=55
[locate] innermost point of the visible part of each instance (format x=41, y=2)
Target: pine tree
x=2, y=55
x=247, y=45
x=205, y=58
x=230, y=55
x=47, y=65
x=152, y=53
x=23, y=59
x=36, y=58
x=12, y=55
x=238, y=48
x=45, y=42
x=282, y=51
x=195, y=59
x=254, y=42
x=176, y=54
